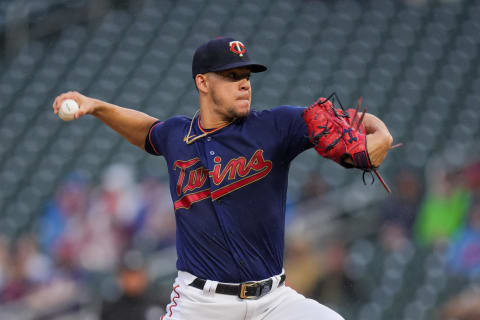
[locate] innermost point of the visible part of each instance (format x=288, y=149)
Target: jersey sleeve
x=292, y=130
x=153, y=140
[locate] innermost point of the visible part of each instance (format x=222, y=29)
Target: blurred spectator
x=302, y=265
x=35, y=266
x=62, y=294
x=398, y=213
x=310, y=197
x=87, y=230
x=70, y=203
x=464, y=306
x=444, y=207
x=14, y=283
x=155, y=223
x=464, y=253
x=472, y=176
x=335, y=287
x=321, y=275
x=4, y=262
x=27, y=269
x=134, y=303
x=106, y=230
x=315, y=187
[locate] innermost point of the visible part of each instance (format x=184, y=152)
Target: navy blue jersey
x=229, y=191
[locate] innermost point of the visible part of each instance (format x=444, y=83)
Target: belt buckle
x=243, y=288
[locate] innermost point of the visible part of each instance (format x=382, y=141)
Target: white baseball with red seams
x=68, y=109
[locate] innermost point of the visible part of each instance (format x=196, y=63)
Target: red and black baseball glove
x=337, y=134
x=340, y=135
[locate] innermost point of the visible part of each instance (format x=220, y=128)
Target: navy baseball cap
x=222, y=54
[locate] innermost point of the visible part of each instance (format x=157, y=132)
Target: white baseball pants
x=281, y=303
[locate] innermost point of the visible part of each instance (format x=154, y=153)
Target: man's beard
x=230, y=113
x=234, y=114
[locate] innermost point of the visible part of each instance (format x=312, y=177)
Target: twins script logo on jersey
x=237, y=47
x=239, y=171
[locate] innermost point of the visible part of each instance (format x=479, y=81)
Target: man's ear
x=201, y=81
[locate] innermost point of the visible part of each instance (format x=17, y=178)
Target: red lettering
x=263, y=168
x=196, y=179
x=217, y=177
x=257, y=162
x=183, y=165
x=238, y=167
x=186, y=201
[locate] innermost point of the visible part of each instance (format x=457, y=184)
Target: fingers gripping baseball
x=86, y=105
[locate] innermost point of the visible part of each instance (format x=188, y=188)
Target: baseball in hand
x=67, y=110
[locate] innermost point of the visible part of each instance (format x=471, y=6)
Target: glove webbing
x=325, y=131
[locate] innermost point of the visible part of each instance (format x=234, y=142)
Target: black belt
x=245, y=290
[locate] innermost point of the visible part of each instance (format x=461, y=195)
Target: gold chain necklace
x=192, y=138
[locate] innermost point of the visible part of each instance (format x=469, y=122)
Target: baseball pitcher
x=228, y=168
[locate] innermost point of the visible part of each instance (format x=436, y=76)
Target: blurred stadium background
x=78, y=204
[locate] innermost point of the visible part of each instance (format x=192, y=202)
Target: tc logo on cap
x=237, y=47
